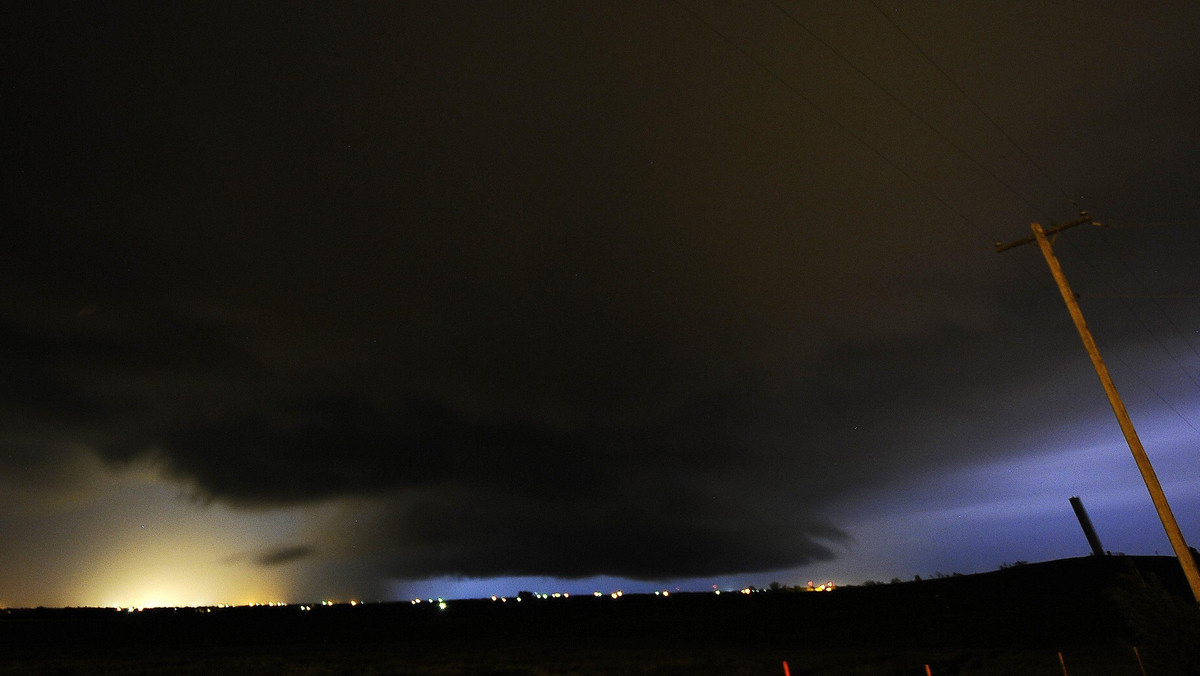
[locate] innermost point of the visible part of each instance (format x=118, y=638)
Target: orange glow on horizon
x=174, y=574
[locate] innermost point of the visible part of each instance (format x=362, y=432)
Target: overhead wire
x=911, y=177
x=833, y=118
x=1158, y=395
x=904, y=105
x=975, y=104
x=1028, y=267
x=972, y=101
x=1155, y=298
x=1050, y=179
x=1158, y=341
x=1154, y=224
x=907, y=174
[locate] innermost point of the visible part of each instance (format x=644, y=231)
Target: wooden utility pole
x=1135, y=445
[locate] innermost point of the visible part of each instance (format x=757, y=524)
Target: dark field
x=1017, y=620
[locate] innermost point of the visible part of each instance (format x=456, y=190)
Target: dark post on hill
x=1135, y=444
x=1086, y=524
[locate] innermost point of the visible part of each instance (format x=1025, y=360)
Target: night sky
x=330, y=300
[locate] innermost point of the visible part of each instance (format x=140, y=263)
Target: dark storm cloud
x=729, y=483
x=284, y=555
x=502, y=498
x=657, y=531
x=90, y=382
x=30, y=380
x=273, y=557
x=572, y=289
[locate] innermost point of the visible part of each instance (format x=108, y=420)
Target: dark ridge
x=1098, y=602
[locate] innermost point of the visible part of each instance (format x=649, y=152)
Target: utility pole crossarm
x=1084, y=217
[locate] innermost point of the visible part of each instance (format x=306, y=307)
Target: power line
x=1187, y=222
x=1051, y=180
x=1170, y=525
x=903, y=105
x=1158, y=341
x=1156, y=393
x=1113, y=251
x=1185, y=296
x=972, y=101
x=853, y=134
